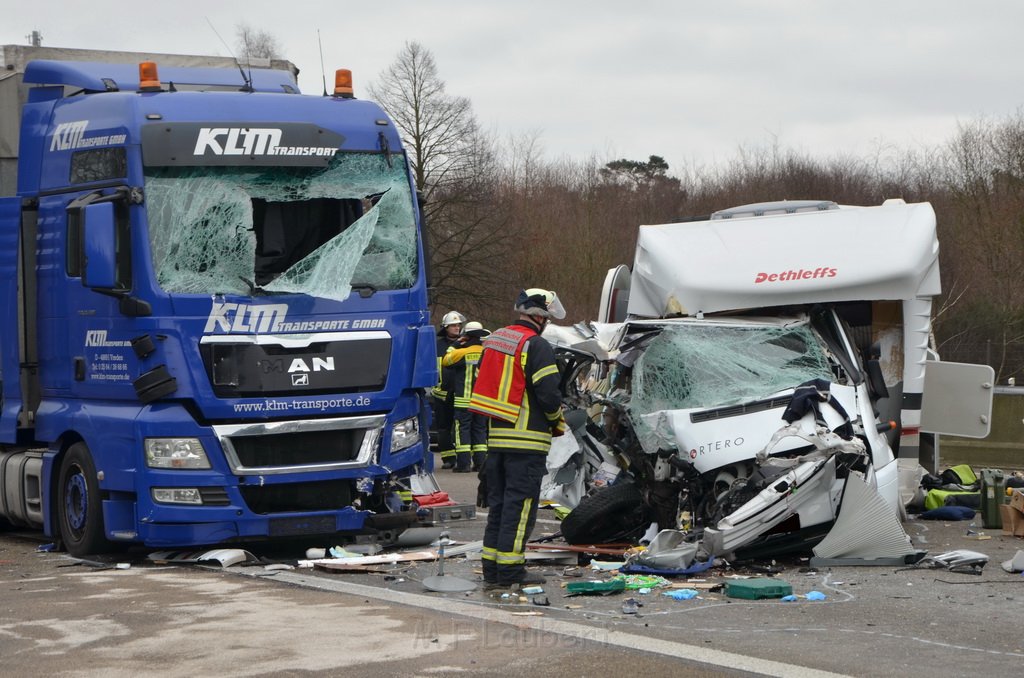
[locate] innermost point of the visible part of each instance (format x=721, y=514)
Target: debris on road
x=757, y=588
x=960, y=560
x=681, y=594
x=1015, y=564
x=226, y=557
x=594, y=586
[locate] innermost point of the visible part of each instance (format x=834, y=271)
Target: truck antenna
x=247, y=79
x=323, y=75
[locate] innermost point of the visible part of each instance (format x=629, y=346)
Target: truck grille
x=324, y=495
x=301, y=446
x=298, y=449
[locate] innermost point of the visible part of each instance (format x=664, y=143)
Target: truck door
x=10, y=389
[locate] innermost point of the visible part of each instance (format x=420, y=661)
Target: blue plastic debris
x=46, y=548
x=811, y=595
x=680, y=594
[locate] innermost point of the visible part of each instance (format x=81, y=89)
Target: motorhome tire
x=612, y=514
x=79, y=504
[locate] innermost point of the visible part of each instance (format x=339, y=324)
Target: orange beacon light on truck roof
x=149, y=81
x=343, y=83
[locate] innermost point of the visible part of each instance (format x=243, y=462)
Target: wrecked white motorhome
x=753, y=367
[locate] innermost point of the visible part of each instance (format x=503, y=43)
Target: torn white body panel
x=866, y=527
x=564, y=483
x=809, y=491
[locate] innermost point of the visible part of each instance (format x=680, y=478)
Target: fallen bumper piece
x=961, y=560
x=225, y=557
x=866, y=532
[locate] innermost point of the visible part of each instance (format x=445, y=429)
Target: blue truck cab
x=214, y=320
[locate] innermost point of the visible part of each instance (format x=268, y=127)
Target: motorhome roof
x=762, y=209
x=820, y=253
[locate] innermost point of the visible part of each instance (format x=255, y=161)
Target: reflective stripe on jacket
x=464, y=364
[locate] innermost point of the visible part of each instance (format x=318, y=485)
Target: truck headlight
x=177, y=495
x=405, y=433
x=176, y=453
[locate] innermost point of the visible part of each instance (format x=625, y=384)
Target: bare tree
x=255, y=43
x=453, y=165
x=435, y=125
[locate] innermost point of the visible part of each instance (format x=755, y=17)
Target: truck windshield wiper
x=254, y=289
x=365, y=289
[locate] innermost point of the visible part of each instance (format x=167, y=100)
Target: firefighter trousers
x=441, y=423
x=470, y=439
x=513, y=490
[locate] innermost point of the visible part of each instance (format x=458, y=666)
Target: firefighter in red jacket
x=518, y=388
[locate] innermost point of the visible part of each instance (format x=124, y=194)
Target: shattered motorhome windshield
x=265, y=230
x=695, y=366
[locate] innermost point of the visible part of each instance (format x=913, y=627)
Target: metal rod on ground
x=442, y=583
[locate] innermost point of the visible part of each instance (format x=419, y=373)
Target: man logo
x=269, y=366
x=301, y=379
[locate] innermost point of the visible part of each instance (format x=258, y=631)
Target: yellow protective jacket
x=463, y=363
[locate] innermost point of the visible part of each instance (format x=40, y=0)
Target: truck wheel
x=79, y=504
x=612, y=514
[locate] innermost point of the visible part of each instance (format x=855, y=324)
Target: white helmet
x=474, y=329
x=452, y=318
x=536, y=301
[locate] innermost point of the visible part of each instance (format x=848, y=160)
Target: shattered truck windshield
x=697, y=366
x=265, y=230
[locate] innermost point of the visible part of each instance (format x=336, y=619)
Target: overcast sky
x=690, y=81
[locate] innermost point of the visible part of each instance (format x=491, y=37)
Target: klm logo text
x=238, y=141
x=68, y=135
x=251, y=141
x=226, y=317
x=71, y=135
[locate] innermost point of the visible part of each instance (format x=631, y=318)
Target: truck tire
x=615, y=513
x=80, y=505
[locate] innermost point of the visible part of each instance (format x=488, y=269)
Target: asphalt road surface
x=60, y=616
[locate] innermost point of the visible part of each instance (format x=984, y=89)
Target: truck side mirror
x=99, y=246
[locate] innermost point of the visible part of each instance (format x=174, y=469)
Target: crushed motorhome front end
x=695, y=407
x=755, y=361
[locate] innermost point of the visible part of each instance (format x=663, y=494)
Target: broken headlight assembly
x=405, y=433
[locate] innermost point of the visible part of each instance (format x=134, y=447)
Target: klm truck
x=213, y=308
